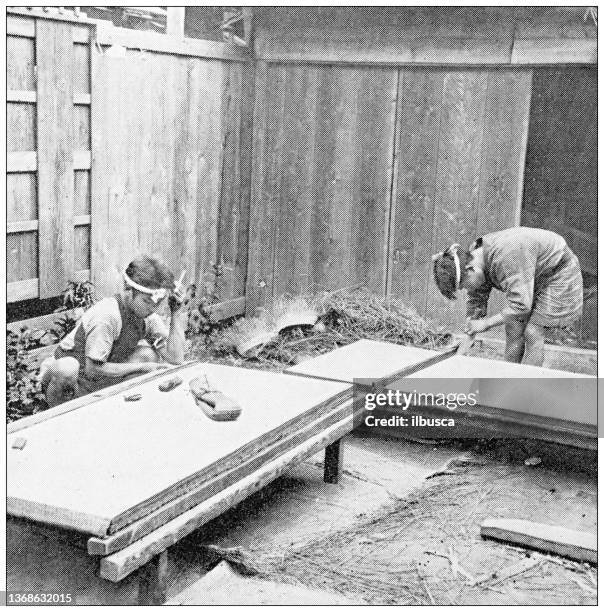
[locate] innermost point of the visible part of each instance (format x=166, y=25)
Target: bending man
x=535, y=269
x=105, y=346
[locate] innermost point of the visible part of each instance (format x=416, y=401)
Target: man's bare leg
x=514, y=340
x=144, y=354
x=61, y=381
x=534, y=351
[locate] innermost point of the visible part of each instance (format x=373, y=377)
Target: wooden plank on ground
x=117, y=566
x=576, y=545
x=54, y=53
x=82, y=492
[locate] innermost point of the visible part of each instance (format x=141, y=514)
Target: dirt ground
x=394, y=536
x=402, y=526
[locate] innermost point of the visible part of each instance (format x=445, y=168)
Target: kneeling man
x=105, y=346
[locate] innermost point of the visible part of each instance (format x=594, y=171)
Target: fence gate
x=48, y=156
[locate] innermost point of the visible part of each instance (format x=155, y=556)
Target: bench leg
x=332, y=467
x=153, y=579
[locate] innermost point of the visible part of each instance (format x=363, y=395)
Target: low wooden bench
x=149, y=555
x=142, y=545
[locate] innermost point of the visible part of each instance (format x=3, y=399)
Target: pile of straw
x=344, y=317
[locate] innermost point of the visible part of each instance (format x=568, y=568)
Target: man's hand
x=476, y=326
x=175, y=302
x=178, y=294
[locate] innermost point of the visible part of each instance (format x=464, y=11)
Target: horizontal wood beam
x=13, y=95
x=461, y=52
x=22, y=161
x=151, y=41
x=29, y=288
x=18, y=227
x=27, y=161
x=82, y=160
x=22, y=290
x=546, y=51
x=82, y=23
x=31, y=97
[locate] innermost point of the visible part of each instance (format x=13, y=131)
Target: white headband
x=157, y=295
x=453, y=250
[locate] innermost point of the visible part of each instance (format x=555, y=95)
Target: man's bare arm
x=174, y=350
x=96, y=369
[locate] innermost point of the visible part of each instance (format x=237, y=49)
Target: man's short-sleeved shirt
x=102, y=325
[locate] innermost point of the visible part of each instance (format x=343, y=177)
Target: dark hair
x=445, y=274
x=150, y=272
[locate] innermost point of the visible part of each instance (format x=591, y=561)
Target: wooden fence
x=123, y=142
x=295, y=175
x=49, y=158
x=361, y=173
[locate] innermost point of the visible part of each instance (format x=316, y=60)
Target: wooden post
x=334, y=455
x=175, y=22
x=153, y=579
x=54, y=127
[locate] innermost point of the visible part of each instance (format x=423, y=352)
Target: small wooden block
x=19, y=443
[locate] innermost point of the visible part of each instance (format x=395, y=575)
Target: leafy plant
x=77, y=295
x=24, y=394
x=201, y=321
x=63, y=326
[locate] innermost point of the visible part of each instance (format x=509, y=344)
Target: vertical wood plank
x=81, y=65
x=420, y=109
x=20, y=127
x=505, y=131
x=20, y=63
x=304, y=171
x=21, y=256
x=245, y=174
x=324, y=177
x=376, y=126
x=504, y=147
x=82, y=248
x=175, y=22
x=458, y=177
x=54, y=53
x=253, y=291
x=291, y=273
x=21, y=194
